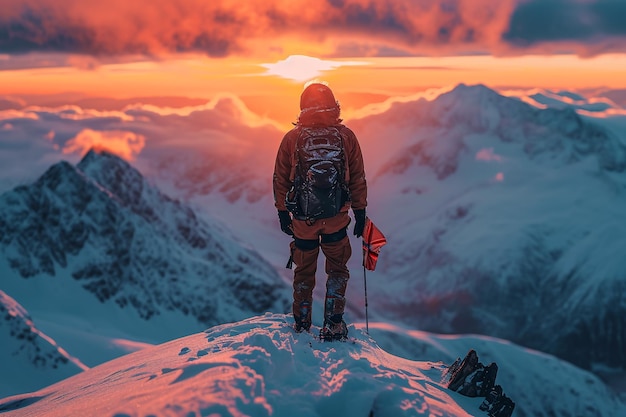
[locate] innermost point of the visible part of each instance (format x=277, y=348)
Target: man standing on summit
x=318, y=176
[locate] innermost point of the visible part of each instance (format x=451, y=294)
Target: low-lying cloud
x=219, y=137
x=220, y=134
x=124, y=144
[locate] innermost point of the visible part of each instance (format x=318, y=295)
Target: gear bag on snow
x=319, y=190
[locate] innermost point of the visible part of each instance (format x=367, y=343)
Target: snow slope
x=260, y=367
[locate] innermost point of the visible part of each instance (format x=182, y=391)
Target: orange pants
x=331, y=235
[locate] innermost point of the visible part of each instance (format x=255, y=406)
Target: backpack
x=319, y=189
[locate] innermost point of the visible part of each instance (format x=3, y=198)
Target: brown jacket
x=284, y=169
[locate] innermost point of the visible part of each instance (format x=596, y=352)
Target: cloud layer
x=218, y=139
x=328, y=28
x=216, y=136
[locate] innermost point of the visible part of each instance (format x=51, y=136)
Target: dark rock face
x=102, y=224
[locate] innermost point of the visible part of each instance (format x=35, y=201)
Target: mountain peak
x=478, y=94
x=114, y=174
x=480, y=88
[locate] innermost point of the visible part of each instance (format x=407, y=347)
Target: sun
x=301, y=68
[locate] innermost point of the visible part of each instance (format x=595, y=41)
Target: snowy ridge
x=260, y=367
x=35, y=359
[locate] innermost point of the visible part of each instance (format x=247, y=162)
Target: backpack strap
x=346, y=171
x=294, y=156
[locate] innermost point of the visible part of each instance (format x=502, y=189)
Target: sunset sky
x=177, y=53
x=197, y=48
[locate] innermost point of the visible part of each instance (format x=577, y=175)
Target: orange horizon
x=357, y=82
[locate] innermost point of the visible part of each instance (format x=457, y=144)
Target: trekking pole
x=367, y=327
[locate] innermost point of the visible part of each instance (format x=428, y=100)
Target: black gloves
x=285, y=222
x=359, y=222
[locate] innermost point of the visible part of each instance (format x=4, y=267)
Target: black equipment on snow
x=497, y=404
x=471, y=378
x=319, y=189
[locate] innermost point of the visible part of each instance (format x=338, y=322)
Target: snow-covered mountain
x=31, y=358
x=503, y=219
x=260, y=367
x=99, y=234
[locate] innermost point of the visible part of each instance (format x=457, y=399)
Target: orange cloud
x=226, y=104
x=286, y=27
x=124, y=144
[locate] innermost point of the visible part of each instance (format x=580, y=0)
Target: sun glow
x=301, y=68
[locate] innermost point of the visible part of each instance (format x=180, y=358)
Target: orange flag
x=373, y=240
